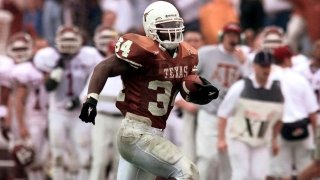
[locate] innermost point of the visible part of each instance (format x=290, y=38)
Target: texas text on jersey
x=151, y=91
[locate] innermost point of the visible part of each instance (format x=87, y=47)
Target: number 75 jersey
x=150, y=88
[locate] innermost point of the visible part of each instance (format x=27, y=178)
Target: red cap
x=232, y=27
x=282, y=52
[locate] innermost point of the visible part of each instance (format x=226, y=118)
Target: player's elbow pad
x=51, y=84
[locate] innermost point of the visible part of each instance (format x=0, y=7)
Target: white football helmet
x=273, y=37
x=68, y=39
x=20, y=47
x=162, y=23
x=103, y=36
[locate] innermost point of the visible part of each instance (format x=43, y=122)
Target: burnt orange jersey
x=151, y=88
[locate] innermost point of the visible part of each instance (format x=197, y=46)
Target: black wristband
x=92, y=101
x=294, y=177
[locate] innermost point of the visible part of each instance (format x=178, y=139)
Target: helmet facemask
x=20, y=48
x=103, y=39
x=68, y=41
x=168, y=32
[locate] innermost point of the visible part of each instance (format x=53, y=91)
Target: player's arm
x=21, y=97
x=110, y=67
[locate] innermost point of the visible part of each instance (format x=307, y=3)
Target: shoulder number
x=123, y=46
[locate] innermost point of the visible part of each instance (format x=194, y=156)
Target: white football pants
x=146, y=154
x=104, y=146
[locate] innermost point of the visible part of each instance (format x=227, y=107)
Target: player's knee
x=189, y=170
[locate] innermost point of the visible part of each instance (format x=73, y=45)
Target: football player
x=6, y=65
x=68, y=66
x=152, y=68
x=29, y=107
x=104, y=151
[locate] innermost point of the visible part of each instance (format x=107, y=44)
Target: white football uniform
x=36, y=109
x=69, y=140
x=6, y=66
x=107, y=123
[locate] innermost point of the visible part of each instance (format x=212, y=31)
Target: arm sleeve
x=228, y=104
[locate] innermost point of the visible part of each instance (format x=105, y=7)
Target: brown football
x=188, y=85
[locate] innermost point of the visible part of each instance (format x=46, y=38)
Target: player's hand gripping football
x=206, y=93
x=89, y=110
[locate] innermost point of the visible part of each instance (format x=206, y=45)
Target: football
x=188, y=85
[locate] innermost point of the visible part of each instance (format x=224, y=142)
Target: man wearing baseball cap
x=222, y=65
x=300, y=109
x=255, y=105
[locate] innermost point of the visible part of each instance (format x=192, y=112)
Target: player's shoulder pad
x=26, y=73
x=188, y=50
x=6, y=64
x=89, y=56
x=135, y=49
x=46, y=59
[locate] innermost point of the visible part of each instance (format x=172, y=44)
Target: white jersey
x=108, y=95
x=312, y=77
x=6, y=66
x=74, y=76
x=37, y=99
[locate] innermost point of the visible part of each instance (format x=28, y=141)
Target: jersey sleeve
x=134, y=49
x=26, y=74
x=6, y=66
x=46, y=59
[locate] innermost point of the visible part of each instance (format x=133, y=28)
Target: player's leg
x=37, y=136
x=82, y=141
x=127, y=171
x=151, y=152
x=239, y=154
x=57, y=137
x=103, y=145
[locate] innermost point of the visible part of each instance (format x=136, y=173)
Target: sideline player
x=29, y=103
x=152, y=69
x=68, y=67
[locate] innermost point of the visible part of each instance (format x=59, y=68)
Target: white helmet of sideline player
x=162, y=23
x=20, y=47
x=273, y=37
x=68, y=39
x=103, y=36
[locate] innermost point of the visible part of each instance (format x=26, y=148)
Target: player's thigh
x=157, y=155
x=80, y=133
x=128, y=171
x=57, y=129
